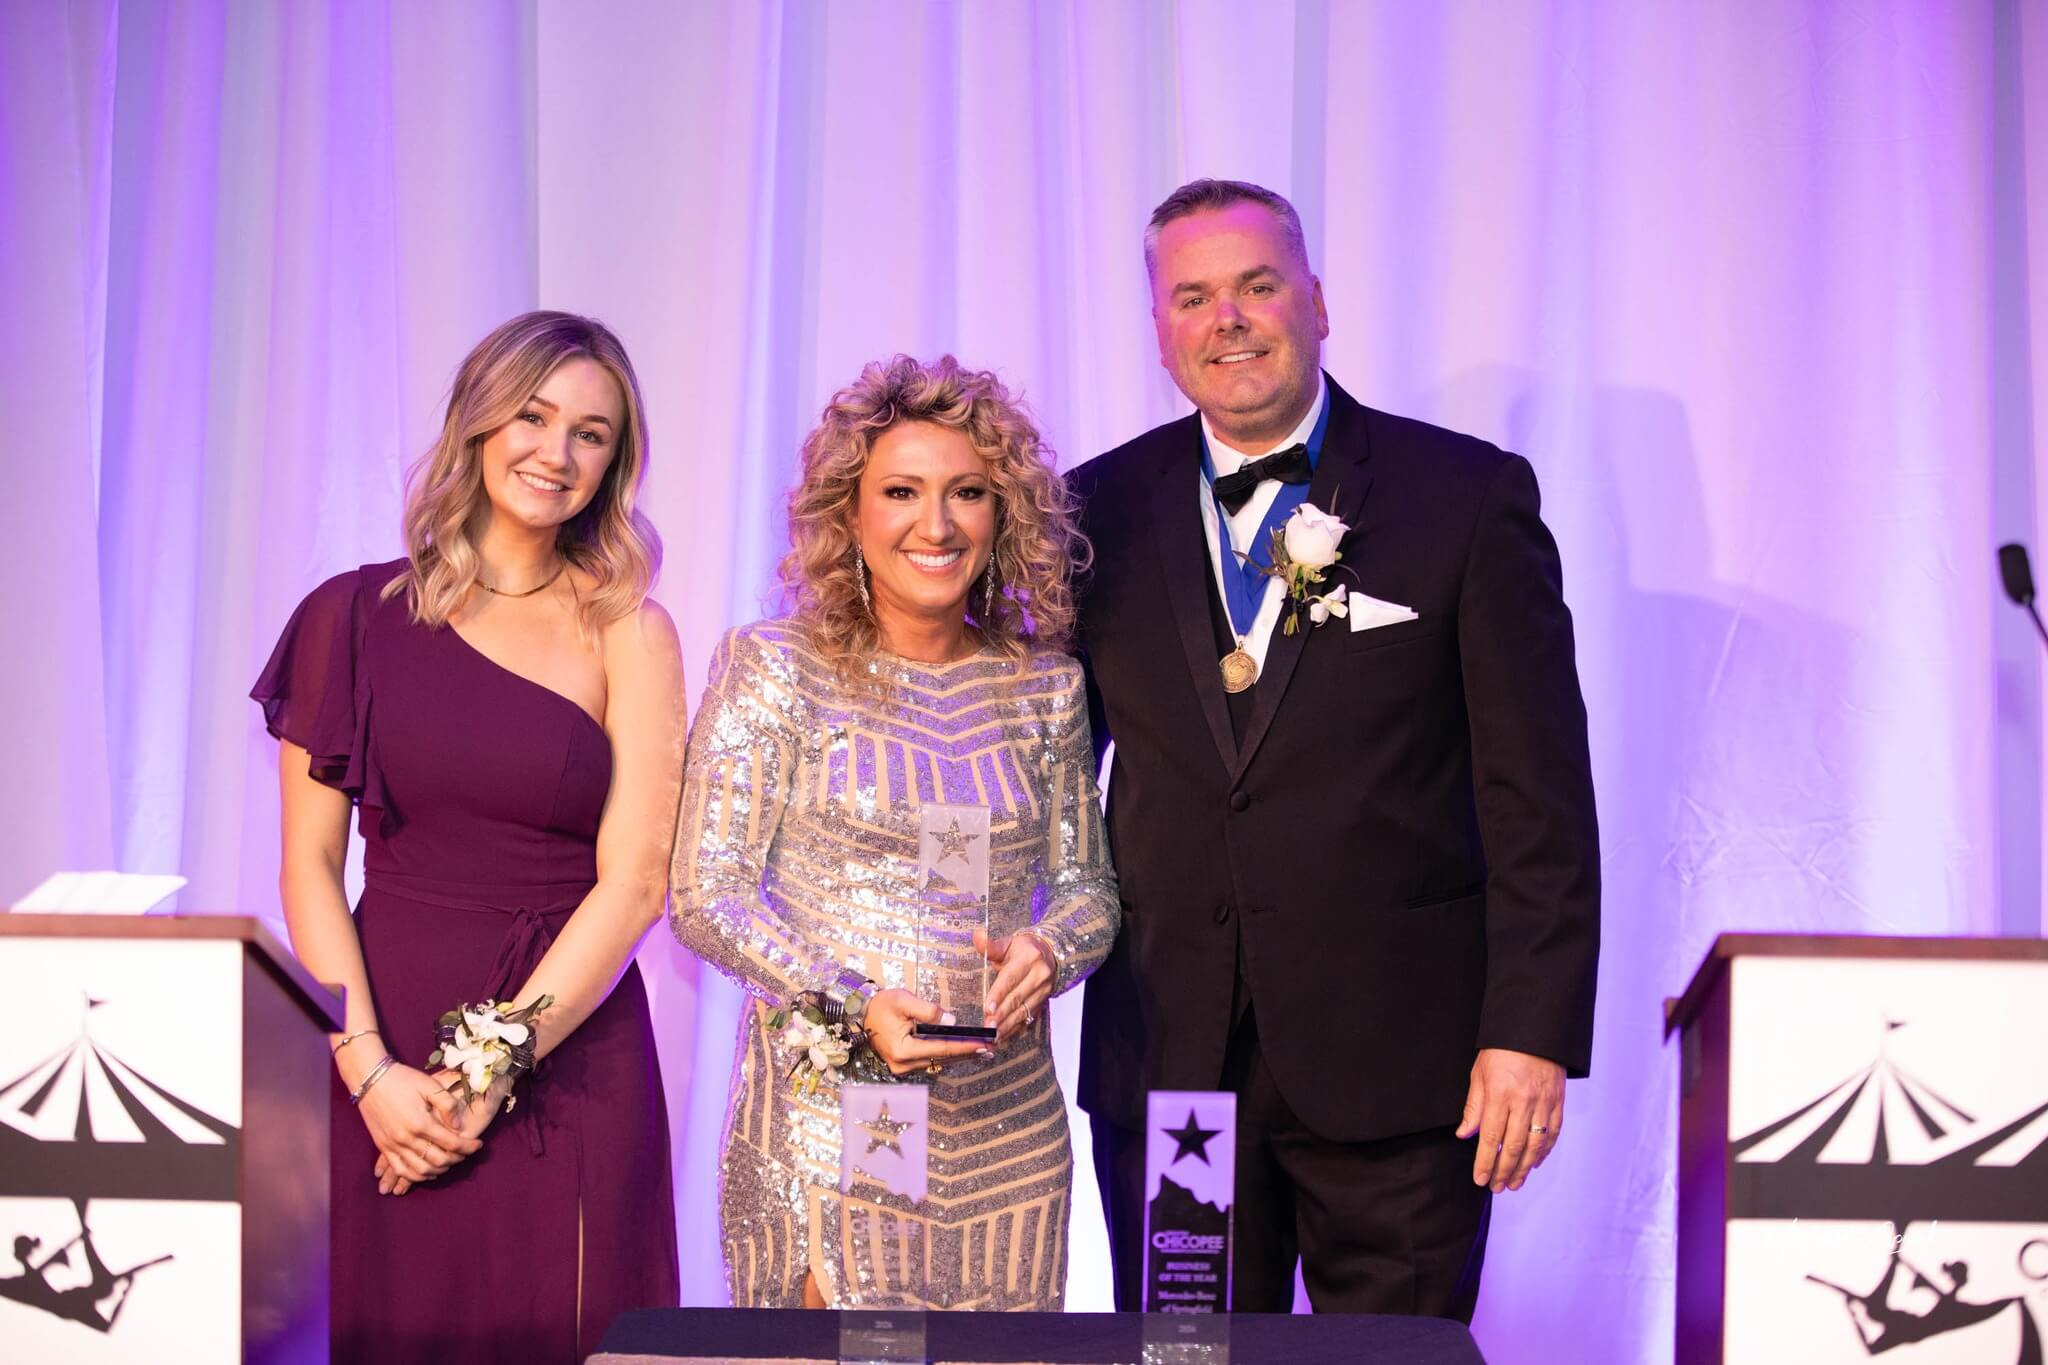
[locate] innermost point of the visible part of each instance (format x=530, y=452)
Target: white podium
x=1863, y=1151
x=163, y=1141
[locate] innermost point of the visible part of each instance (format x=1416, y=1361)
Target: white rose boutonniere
x=1311, y=537
x=1304, y=552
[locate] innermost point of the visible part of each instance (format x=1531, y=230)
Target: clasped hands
x=1023, y=983
x=420, y=1128
x=422, y=1131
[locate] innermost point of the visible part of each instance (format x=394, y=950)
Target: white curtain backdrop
x=1757, y=287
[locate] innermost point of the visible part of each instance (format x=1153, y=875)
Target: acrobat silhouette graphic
x=1882, y=1145
x=1881, y=1326
x=80, y=1303
x=82, y=1124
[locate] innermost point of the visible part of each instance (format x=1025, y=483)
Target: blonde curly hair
x=1038, y=546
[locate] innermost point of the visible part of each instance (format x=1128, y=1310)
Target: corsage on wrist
x=823, y=1032
x=483, y=1042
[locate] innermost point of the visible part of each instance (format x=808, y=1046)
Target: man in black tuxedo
x=1362, y=892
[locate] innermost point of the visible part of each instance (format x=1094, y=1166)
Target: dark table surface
x=727, y=1334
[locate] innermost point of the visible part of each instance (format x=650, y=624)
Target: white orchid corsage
x=1304, y=552
x=822, y=1047
x=483, y=1042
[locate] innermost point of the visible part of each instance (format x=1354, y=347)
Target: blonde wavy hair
x=1038, y=546
x=444, y=490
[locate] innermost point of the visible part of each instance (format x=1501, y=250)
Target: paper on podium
x=100, y=893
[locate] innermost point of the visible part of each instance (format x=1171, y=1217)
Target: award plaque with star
x=952, y=876
x=1190, y=1190
x=884, y=1159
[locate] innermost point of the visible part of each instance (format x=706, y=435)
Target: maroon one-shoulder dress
x=480, y=793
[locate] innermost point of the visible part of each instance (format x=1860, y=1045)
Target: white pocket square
x=1368, y=613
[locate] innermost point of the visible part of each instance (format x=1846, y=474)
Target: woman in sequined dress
x=906, y=673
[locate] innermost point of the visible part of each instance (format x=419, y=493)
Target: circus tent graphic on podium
x=120, y=1156
x=1894, y=1203
x=1883, y=1142
x=84, y=1124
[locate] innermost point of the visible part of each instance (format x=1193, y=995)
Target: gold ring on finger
x=1538, y=1129
x=933, y=1068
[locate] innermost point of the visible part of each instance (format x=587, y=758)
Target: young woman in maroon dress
x=504, y=705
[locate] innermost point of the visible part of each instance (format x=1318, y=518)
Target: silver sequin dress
x=796, y=856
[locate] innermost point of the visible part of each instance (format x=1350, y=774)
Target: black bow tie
x=1288, y=466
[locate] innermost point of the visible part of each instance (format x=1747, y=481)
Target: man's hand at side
x=1516, y=1106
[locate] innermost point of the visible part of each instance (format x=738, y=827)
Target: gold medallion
x=1240, y=670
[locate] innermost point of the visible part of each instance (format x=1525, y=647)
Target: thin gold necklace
x=500, y=592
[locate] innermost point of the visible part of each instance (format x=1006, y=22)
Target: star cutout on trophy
x=1192, y=1140
x=953, y=842
x=882, y=1138
x=884, y=1131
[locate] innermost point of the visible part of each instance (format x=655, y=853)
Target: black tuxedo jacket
x=1400, y=859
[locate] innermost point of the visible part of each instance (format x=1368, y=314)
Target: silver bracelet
x=350, y=1038
x=376, y=1072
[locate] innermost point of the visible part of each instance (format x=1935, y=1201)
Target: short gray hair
x=1200, y=196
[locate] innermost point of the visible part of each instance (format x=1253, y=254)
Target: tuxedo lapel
x=1184, y=564
x=1339, y=487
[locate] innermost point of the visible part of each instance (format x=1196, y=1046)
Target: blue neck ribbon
x=1244, y=586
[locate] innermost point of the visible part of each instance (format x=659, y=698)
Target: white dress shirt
x=1245, y=522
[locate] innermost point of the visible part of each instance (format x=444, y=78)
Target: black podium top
x=741, y=1334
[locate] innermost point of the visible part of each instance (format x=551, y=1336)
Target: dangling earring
x=988, y=595
x=860, y=579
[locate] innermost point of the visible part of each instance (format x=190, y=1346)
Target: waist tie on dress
x=534, y=914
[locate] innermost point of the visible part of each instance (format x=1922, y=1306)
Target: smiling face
x=546, y=465
x=925, y=519
x=1240, y=321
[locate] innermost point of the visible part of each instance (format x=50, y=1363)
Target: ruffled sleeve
x=315, y=691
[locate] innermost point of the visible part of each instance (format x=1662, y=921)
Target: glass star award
x=952, y=879
x=884, y=1179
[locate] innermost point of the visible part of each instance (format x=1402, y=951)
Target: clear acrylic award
x=952, y=878
x=884, y=1157
x=1190, y=1195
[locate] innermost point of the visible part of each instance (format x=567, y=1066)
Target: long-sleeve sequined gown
x=796, y=856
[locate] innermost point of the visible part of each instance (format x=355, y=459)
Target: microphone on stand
x=2019, y=582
